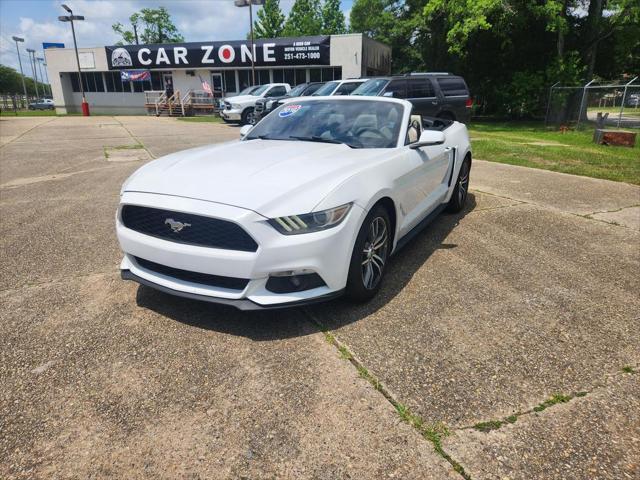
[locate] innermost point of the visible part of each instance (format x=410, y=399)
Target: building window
x=315, y=75
x=75, y=85
x=289, y=76
x=244, y=78
x=230, y=81
x=337, y=73
x=327, y=74
x=278, y=75
x=114, y=83
x=91, y=81
x=156, y=81
x=262, y=77
x=301, y=76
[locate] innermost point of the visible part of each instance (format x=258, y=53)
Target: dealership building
x=129, y=79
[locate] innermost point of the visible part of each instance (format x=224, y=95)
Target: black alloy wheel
x=370, y=255
x=461, y=190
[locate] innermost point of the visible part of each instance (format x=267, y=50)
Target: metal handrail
x=182, y=99
x=162, y=98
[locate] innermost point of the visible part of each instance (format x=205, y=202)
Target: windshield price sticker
x=289, y=110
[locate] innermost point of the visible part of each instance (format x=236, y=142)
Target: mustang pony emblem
x=176, y=226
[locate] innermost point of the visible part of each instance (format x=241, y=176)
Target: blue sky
x=37, y=21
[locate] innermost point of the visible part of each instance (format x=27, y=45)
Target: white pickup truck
x=240, y=108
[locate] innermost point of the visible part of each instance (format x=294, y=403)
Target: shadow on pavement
x=287, y=323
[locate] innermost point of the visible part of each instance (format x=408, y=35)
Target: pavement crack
x=26, y=131
x=588, y=215
x=136, y=139
x=433, y=433
x=490, y=425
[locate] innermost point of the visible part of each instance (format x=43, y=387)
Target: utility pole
x=40, y=60
x=32, y=59
x=70, y=18
x=250, y=3
x=135, y=32
x=24, y=85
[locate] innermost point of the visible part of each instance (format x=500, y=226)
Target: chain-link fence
x=15, y=102
x=618, y=103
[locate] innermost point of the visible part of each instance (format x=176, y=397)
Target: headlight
x=235, y=106
x=269, y=104
x=310, y=222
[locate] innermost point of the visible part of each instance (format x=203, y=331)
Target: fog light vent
x=289, y=282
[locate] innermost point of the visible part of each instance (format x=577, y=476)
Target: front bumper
x=231, y=115
x=326, y=253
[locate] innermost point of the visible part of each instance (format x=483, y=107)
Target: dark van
x=441, y=95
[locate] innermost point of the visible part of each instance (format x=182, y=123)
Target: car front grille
x=187, y=228
x=259, y=107
x=231, y=283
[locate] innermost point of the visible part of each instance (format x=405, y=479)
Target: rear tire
x=369, y=256
x=461, y=190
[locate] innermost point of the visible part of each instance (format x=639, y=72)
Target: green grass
x=628, y=369
x=28, y=113
x=520, y=143
x=202, y=119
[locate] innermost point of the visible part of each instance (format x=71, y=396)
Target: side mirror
x=429, y=138
x=245, y=130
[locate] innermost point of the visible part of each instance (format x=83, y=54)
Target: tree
x=305, y=18
x=11, y=83
x=270, y=22
x=154, y=24
x=332, y=18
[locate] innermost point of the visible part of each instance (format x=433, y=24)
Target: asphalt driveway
x=505, y=342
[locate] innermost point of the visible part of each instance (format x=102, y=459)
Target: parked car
x=441, y=95
x=265, y=105
x=309, y=205
x=340, y=87
x=336, y=87
x=241, y=108
x=42, y=104
x=634, y=100
x=246, y=91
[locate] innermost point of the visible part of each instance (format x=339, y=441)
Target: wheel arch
x=390, y=206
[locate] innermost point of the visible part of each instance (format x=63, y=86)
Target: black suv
x=264, y=106
x=441, y=95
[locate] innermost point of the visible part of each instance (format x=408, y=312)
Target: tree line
x=509, y=51
x=11, y=83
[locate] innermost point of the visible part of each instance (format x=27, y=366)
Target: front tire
x=461, y=190
x=369, y=256
x=248, y=117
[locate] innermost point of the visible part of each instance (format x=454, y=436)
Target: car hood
x=271, y=177
x=242, y=99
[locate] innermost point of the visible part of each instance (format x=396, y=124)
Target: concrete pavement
x=531, y=292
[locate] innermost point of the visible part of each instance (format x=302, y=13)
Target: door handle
x=434, y=103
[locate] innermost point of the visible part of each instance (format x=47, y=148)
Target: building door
x=216, y=83
x=167, y=82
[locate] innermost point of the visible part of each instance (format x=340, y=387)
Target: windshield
x=248, y=90
x=371, y=88
x=260, y=90
x=356, y=123
x=326, y=89
x=297, y=91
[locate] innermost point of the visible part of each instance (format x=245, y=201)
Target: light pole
x=70, y=18
x=250, y=3
x=40, y=60
x=46, y=75
x=24, y=86
x=32, y=59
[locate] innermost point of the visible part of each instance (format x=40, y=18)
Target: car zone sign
x=277, y=51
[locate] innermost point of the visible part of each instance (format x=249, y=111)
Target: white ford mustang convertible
x=308, y=205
